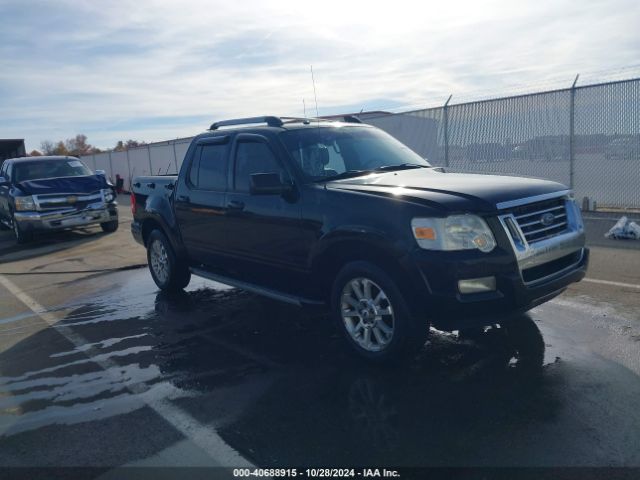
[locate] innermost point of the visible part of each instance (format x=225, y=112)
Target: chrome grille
x=541, y=220
x=58, y=201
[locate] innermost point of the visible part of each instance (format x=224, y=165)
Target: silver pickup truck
x=54, y=193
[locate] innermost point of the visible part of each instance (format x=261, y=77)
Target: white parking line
x=613, y=284
x=205, y=437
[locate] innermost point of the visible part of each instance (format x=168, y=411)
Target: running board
x=250, y=287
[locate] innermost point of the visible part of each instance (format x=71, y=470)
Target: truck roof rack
x=273, y=121
x=343, y=118
x=269, y=120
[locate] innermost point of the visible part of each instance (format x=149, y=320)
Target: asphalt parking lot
x=97, y=368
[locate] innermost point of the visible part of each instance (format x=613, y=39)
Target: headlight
x=574, y=215
x=25, y=203
x=108, y=194
x=457, y=232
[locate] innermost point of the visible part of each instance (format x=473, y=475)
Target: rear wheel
x=374, y=316
x=21, y=235
x=169, y=273
x=109, y=227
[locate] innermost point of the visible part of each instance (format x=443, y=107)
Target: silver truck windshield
x=326, y=152
x=38, y=169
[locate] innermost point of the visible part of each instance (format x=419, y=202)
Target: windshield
x=37, y=169
x=326, y=152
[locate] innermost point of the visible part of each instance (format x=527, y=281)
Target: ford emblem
x=72, y=199
x=547, y=219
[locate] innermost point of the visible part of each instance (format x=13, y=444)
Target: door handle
x=235, y=205
x=184, y=198
x=151, y=185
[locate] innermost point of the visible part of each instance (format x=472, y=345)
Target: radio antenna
x=314, y=92
x=304, y=108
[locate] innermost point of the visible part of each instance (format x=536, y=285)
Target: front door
x=263, y=231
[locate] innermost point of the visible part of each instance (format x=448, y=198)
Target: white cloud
x=110, y=70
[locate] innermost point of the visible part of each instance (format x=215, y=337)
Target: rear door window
x=193, y=169
x=209, y=168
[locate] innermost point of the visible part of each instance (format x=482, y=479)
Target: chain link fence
x=586, y=137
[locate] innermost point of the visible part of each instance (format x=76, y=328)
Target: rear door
x=200, y=200
x=263, y=232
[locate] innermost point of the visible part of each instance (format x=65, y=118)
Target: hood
x=84, y=184
x=449, y=191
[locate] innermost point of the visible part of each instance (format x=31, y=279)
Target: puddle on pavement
x=266, y=374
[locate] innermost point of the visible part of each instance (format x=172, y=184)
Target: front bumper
x=65, y=218
x=448, y=309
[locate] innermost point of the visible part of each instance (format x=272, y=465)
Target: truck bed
x=144, y=186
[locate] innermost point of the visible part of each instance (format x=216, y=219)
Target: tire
x=365, y=298
x=169, y=273
x=472, y=333
x=22, y=236
x=109, y=227
x=526, y=341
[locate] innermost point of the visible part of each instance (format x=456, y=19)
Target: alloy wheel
x=367, y=314
x=159, y=261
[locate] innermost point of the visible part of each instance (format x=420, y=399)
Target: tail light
x=133, y=203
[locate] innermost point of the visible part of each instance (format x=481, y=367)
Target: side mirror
x=4, y=182
x=267, y=184
x=102, y=173
x=438, y=169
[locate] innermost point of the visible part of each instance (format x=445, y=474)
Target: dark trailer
x=12, y=149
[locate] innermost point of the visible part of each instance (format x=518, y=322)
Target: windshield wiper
x=347, y=174
x=402, y=166
x=384, y=168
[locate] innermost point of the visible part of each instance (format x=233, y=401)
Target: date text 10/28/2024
x=316, y=472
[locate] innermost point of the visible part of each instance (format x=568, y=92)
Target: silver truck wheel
x=159, y=260
x=170, y=273
x=21, y=236
x=367, y=314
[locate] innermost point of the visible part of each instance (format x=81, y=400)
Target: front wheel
x=110, y=226
x=166, y=270
x=21, y=235
x=374, y=316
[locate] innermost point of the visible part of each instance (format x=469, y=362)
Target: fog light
x=477, y=285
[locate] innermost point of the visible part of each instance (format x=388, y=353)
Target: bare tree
x=35, y=153
x=60, y=149
x=47, y=147
x=122, y=146
x=78, y=145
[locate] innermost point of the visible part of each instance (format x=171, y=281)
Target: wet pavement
x=217, y=376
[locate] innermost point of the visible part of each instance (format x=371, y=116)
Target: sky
x=155, y=70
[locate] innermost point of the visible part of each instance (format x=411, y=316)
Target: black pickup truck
x=42, y=194
x=342, y=215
